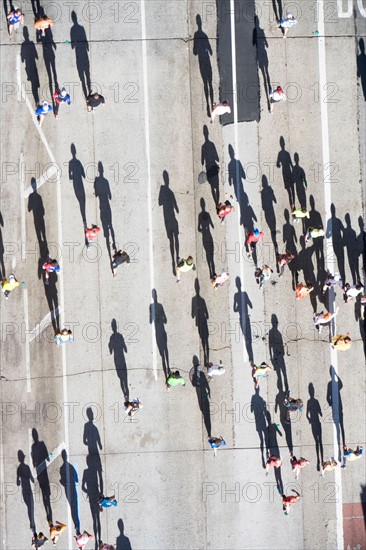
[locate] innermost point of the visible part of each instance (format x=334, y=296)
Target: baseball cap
x=279, y=89
x=256, y=232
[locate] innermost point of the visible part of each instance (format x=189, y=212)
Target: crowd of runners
x=251, y=239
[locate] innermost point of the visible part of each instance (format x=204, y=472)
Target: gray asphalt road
x=134, y=167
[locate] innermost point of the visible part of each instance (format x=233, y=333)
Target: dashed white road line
x=40, y=327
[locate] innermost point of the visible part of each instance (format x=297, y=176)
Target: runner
x=342, y=342
x=349, y=454
x=219, y=109
x=82, y=539
x=183, y=266
x=314, y=233
x=289, y=501
x=323, y=318
x=216, y=442
x=332, y=281
x=107, y=502
x=50, y=266
x=38, y=540
x=215, y=370
x=219, y=280
x=252, y=239
x=132, y=407
x=260, y=372
x=14, y=17
x=262, y=275
x=299, y=214
x=174, y=379
x=302, y=291
x=119, y=258
x=43, y=23
x=286, y=23
x=91, y=234
x=284, y=259
x=298, y=465
x=224, y=210
x=63, y=337
x=292, y=405
x=56, y=530
x=273, y=462
x=351, y=292
x=42, y=111
x=275, y=96
x=7, y=285
x=60, y=96
x=93, y=101
x=328, y=466
x=103, y=546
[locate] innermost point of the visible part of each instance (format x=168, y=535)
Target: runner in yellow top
x=8, y=285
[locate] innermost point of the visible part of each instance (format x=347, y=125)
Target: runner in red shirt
x=289, y=501
x=252, y=239
x=224, y=210
x=91, y=234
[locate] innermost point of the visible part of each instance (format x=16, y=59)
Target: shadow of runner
x=286, y=424
x=351, y=246
x=199, y=381
x=299, y=176
x=168, y=201
x=241, y=305
x=69, y=479
x=274, y=450
x=361, y=66
x=202, y=48
x=258, y=407
x=24, y=479
x=117, y=346
x=52, y=301
x=335, y=231
x=102, y=191
x=91, y=438
x=29, y=56
x=260, y=42
x=76, y=175
x=2, y=250
x=284, y=161
x=80, y=44
x=91, y=486
x=158, y=317
x=210, y=160
x=49, y=48
x=122, y=542
x=313, y=414
x=204, y=225
x=289, y=238
x=316, y=221
x=277, y=9
x=268, y=200
x=35, y=205
x=277, y=354
x=40, y=459
x=199, y=312
x=334, y=400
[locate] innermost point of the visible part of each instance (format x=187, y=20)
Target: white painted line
x=3, y=506
x=148, y=163
x=51, y=457
x=27, y=350
x=50, y=172
x=241, y=235
x=329, y=245
x=47, y=320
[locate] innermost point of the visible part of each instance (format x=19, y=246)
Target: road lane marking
x=51, y=458
x=40, y=327
x=148, y=162
x=48, y=174
x=329, y=246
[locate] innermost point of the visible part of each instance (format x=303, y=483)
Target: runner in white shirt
x=275, y=96
x=219, y=109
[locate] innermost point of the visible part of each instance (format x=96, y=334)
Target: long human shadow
x=286, y=425
x=169, y=203
x=29, y=56
x=2, y=250
x=69, y=480
x=122, y=542
x=36, y=7
x=80, y=44
x=315, y=220
x=241, y=306
x=273, y=448
x=200, y=383
x=289, y=239
x=305, y=264
x=335, y=229
x=158, y=317
x=35, y=205
x=313, y=414
x=40, y=460
x=351, y=246
x=24, y=480
x=77, y=175
x=90, y=485
x=361, y=66
x=117, y=346
x=334, y=400
x=102, y=191
x=361, y=243
x=299, y=176
x=236, y=175
x=258, y=407
x=268, y=200
x=277, y=353
x=199, y=313
x=284, y=161
x=52, y=300
x=49, y=47
x=204, y=226
x=210, y=159
x=202, y=48
x=277, y=9
x=91, y=439
x=261, y=44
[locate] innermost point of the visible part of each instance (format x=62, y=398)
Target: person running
x=323, y=318
x=351, y=292
x=91, y=234
x=183, y=266
x=14, y=17
x=302, y=291
x=262, y=275
x=50, y=266
x=328, y=466
x=362, y=305
x=132, y=407
x=298, y=465
x=219, y=280
x=93, y=101
x=216, y=442
x=286, y=23
x=252, y=239
x=224, y=209
x=349, y=454
x=63, y=337
x=273, y=462
x=332, y=281
x=56, y=530
x=7, y=285
x=119, y=258
x=287, y=502
x=82, y=539
x=292, y=405
x=314, y=233
x=43, y=23
x=107, y=502
x=219, y=109
x=284, y=259
x=42, y=111
x=174, y=379
x=215, y=370
x=275, y=96
x=38, y=540
x=60, y=96
x=342, y=342
x=260, y=372
x=104, y=546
